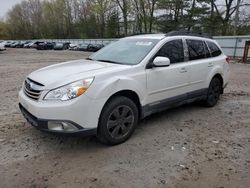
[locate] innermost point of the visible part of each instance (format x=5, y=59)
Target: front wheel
x=118, y=120
x=214, y=92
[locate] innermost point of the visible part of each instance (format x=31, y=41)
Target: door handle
x=210, y=64
x=183, y=69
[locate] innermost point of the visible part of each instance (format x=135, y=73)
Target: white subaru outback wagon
x=109, y=92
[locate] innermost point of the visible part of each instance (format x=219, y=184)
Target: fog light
x=61, y=126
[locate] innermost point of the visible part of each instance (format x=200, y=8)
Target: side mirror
x=161, y=61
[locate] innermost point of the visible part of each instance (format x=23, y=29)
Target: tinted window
x=214, y=49
x=196, y=49
x=173, y=50
x=207, y=52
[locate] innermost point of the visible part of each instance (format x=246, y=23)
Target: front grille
x=32, y=89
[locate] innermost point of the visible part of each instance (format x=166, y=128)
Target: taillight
x=227, y=60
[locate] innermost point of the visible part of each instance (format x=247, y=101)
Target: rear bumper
x=42, y=124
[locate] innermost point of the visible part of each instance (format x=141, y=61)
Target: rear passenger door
x=200, y=63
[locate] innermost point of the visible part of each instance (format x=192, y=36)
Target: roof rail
x=143, y=33
x=188, y=33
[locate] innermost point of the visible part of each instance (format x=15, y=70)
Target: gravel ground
x=190, y=146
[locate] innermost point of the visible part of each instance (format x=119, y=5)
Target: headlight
x=69, y=91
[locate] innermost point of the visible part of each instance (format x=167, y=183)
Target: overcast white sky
x=5, y=5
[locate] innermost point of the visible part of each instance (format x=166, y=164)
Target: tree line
x=37, y=19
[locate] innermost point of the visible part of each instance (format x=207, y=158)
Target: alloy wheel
x=120, y=121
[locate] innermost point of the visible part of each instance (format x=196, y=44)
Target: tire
x=118, y=120
x=214, y=91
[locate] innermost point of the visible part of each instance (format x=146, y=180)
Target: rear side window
x=214, y=49
x=197, y=49
x=173, y=50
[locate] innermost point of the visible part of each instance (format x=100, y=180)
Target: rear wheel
x=214, y=92
x=118, y=120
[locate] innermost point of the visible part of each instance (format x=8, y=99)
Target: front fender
x=108, y=87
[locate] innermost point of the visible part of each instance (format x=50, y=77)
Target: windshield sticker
x=143, y=43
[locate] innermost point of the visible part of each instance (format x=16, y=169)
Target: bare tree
x=100, y=18
x=124, y=6
x=145, y=14
x=225, y=12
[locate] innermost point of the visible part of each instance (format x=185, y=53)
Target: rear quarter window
x=214, y=49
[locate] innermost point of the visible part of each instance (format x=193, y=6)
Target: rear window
x=214, y=49
x=197, y=49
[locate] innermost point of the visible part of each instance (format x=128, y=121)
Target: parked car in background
x=94, y=47
x=21, y=44
x=4, y=43
x=2, y=46
x=45, y=46
x=28, y=45
x=83, y=47
x=73, y=46
x=9, y=43
x=35, y=44
x=14, y=44
x=61, y=46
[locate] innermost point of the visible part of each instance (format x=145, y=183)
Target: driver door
x=168, y=84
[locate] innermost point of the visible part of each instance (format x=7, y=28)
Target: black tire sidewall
x=208, y=102
x=103, y=133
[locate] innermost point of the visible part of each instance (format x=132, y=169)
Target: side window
x=207, y=52
x=214, y=49
x=173, y=50
x=196, y=49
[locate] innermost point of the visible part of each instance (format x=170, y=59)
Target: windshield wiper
x=109, y=61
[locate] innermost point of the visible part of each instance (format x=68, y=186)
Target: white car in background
x=2, y=46
x=73, y=46
x=109, y=92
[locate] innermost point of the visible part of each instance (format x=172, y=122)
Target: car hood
x=64, y=73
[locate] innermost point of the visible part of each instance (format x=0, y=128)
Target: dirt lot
x=190, y=146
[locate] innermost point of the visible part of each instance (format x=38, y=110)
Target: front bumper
x=42, y=124
x=82, y=110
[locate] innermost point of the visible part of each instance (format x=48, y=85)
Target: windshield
x=125, y=51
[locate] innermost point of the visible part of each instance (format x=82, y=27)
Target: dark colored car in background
x=94, y=47
x=45, y=46
x=83, y=47
x=61, y=46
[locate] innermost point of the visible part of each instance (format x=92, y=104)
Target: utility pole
x=236, y=19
